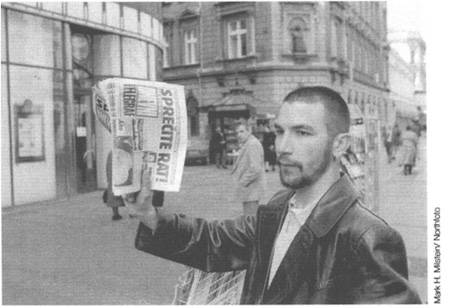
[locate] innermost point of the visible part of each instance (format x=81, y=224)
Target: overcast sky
x=407, y=15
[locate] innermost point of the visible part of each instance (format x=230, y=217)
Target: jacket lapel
x=332, y=206
x=294, y=267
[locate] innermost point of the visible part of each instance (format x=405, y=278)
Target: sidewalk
x=403, y=204
x=70, y=252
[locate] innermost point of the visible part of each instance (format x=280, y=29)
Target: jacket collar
x=330, y=208
x=333, y=204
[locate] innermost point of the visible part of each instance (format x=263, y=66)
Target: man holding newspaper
x=313, y=243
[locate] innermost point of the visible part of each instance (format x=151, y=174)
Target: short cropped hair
x=337, y=113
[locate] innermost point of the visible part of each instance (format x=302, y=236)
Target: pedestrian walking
x=112, y=201
x=270, y=157
x=219, y=146
x=388, y=145
x=314, y=243
x=248, y=170
x=395, y=140
x=408, y=154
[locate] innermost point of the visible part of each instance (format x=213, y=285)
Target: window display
x=29, y=132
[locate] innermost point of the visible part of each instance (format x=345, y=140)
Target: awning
x=243, y=102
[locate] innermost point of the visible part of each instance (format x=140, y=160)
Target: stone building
x=412, y=50
x=407, y=70
x=237, y=60
x=52, y=54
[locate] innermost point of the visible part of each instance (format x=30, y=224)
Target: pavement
x=403, y=202
x=70, y=252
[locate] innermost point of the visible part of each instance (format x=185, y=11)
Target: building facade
x=266, y=49
x=402, y=85
x=238, y=60
x=52, y=54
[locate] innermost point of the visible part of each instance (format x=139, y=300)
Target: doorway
x=85, y=152
x=84, y=142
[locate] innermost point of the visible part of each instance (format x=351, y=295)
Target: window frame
x=238, y=33
x=190, y=57
x=238, y=17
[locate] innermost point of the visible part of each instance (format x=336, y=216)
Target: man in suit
x=314, y=243
x=248, y=170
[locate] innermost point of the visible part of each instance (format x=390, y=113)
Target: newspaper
x=148, y=123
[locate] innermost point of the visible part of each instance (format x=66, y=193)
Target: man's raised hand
x=140, y=203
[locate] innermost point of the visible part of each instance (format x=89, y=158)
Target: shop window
x=190, y=47
x=298, y=31
x=134, y=58
x=109, y=47
x=30, y=31
x=33, y=95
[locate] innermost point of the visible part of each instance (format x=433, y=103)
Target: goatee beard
x=296, y=183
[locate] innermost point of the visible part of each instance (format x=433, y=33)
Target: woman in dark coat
x=409, y=141
x=268, y=143
x=112, y=201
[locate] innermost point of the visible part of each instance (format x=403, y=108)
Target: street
x=71, y=252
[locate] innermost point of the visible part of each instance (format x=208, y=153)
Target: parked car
x=197, y=151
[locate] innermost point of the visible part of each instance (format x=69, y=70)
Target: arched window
x=193, y=118
x=298, y=32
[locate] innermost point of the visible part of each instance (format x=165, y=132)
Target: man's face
x=303, y=146
x=242, y=134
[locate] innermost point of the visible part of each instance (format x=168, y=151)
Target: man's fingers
x=146, y=182
x=129, y=197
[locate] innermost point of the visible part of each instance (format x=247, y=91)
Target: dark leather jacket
x=343, y=254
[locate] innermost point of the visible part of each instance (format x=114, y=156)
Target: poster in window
x=29, y=120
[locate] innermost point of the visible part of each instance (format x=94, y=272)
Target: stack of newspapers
x=196, y=287
x=148, y=124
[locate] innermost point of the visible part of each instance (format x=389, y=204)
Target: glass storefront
x=34, y=153
x=52, y=146
x=31, y=31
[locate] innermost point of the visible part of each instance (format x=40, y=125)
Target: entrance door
x=85, y=142
x=82, y=62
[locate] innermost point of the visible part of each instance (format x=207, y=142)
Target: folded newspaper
x=149, y=131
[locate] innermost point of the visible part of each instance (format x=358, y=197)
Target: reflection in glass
x=82, y=60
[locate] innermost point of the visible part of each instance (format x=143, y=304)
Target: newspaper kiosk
x=361, y=161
